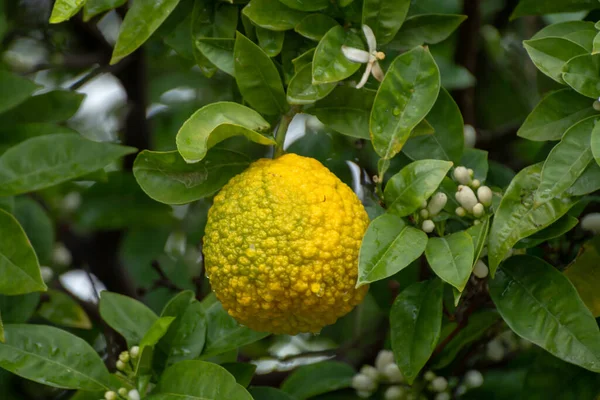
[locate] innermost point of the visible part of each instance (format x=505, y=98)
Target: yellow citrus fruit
x=281, y=246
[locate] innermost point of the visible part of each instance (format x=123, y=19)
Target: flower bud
x=370, y=371
x=596, y=105
x=394, y=393
x=363, y=382
x=470, y=136
x=364, y=394
x=121, y=365
x=471, y=172
x=383, y=359
x=429, y=375
x=478, y=210
x=134, y=352
x=473, y=379
x=110, y=395
x=439, y=384
x=476, y=183
x=484, y=194
x=495, y=350
x=61, y=255
x=122, y=392
x=424, y=204
x=133, y=395
x=480, y=270
x=461, y=212
x=461, y=174
x=428, y=226
x=591, y=222
x=393, y=374
x=47, y=273
x=437, y=203
x=466, y=197
x=124, y=356
x=443, y=396
x=424, y=213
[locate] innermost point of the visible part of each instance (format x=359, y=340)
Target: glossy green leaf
x=19, y=268
x=588, y=182
x=52, y=357
x=536, y=7
x=584, y=274
x=518, y=217
x=306, y=5
x=216, y=122
x=187, y=341
x=479, y=235
x=594, y=141
x=580, y=32
x=389, y=245
x=219, y=52
x=426, y=29
x=18, y=309
x=303, y=59
x=323, y=377
x=477, y=160
x=141, y=20
x=596, y=44
x=214, y=20
x=557, y=229
x=384, y=17
x=302, y=91
x=329, y=63
x=65, y=9
x=556, y=113
x=541, y=305
x=567, y=161
x=273, y=15
x=257, y=77
x=582, y=73
x=416, y=322
x=243, y=372
x=19, y=88
x=405, y=192
x=198, y=380
x=38, y=227
x=224, y=333
x=46, y=161
x=406, y=95
x=154, y=334
x=270, y=41
x=53, y=106
x=166, y=177
x=451, y=258
x=315, y=26
x=12, y=135
x=346, y=110
x=127, y=316
x=95, y=7
x=477, y=325
x=550, y=54
x=269, y=393
x=2, y=338
x=60, y=309
x=447, y=140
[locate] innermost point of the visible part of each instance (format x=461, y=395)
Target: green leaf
x=187, y=340
x=389, y=245
x=306, y=5
x=416, y=322
x=518, y=217
x=329, y=63
x=451, y=258
x=406, y=95
x=478, y=324
x=216, y=122
x=580, y=32
x=426, y=28
x=52, y=357
x=243, y=372
x=95, y=7
x=567, y=161
x=346, y=110
x=476, y=160
x=53, y=106
x=46, y=161
x=559, y=228
x=2, y=338
x=588, y=182
x=301, y=90
x=38, y=227
x=405, y=192
x=154, y=334
x=273, y=15
x=270, y=41
x=167, y=178
x=594, y=141
x=540, y=304
x=536, y=7
x=447, y=140
x=19, y=268
x=60, y=309
x=141, y=20
x=65, y=9
x=556, y=113
x=479, y=235
x=303, y=59
x=127, y=316
x=219, y=52
x=315, y=26
x=198, y=380
x=224, y=333
x=550, y=55
x=584, y=274
x=596, y=44
x=323, y=377
x=269, y=393
x=19, y=88
x=18, y=309
x=384, y=17
x=257, y=77
x=582, y=73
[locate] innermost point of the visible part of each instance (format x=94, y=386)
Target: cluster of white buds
x=471, y=203
x=122, y=393
x=123, y=363
x=385, y=371
x=371, y=57
x=430, y=209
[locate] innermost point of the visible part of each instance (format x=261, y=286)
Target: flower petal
x=370, y=36
x=378, y=72
x=365, y=76
x=356, y=55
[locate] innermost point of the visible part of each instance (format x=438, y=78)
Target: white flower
x=466, y=197
x=133, y=395
x=364, y=383
x=437, y=203
x=370, y=371
x=428, y=226
x=134, y=352
x=392, y=372
x=484, y=194
x=478, y=210
x=473, y=379
x=384, y=358
x=462, y=176
x=480, y=270
x=371, y=57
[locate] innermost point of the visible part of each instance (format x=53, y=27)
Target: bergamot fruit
x=281, y=246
